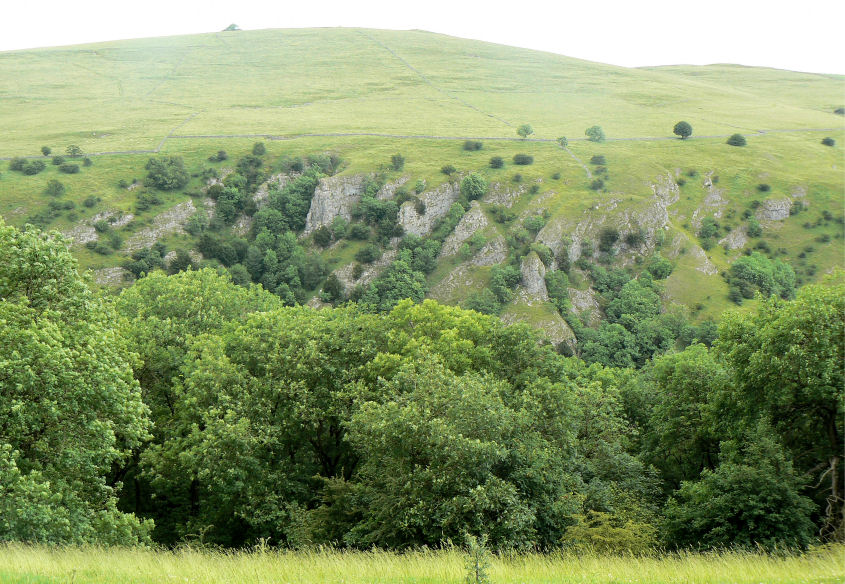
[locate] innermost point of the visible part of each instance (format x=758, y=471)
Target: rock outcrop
x=493, y=252
x=533, y=286
x=370, y=271
x=171, y=221
x=334, y=196
x=437, y=204
x=472, y=221
x=84, y=231
x=774, y=209
x=585, y=301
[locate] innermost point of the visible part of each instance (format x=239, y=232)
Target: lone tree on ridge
x=682, y=129
x=524, y=131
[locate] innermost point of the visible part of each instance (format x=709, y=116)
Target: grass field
x=41, y=565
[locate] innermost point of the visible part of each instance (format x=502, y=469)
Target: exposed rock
x=533, y=286
x=736, y=239
x=111, y=276
x=456, y=285
x=503, y=194
x=224, y=172
x=242, y=225
x=703, y=262
x=493, y=252
x=262, y=194
x=585, y=300
x=437, y=204
x=334, y=196
x=388, y=191
x=713, y=205
x=171, y=221
x=370, y=273
x=84, y=231
x=774, y=209
x=799, y=192
x=472, y=221
x=317, y=304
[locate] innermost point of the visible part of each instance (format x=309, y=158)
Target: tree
x=682, y=129
x=166, y=173
x=473, y=186
x=828, y=141
x=736, y=140
x=45, y=150
x=231, y=27
x=70, y=407
x=789, y=365
x=397, y=162
x=563, y=141
x=74, y=151
x=524, y=131
x=258, y=149
x=595, y=134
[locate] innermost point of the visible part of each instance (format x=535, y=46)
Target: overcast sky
x=801, y=36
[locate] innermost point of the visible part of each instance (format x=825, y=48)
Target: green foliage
x=69, y=405
x=368, y=254
x=294, y=200
x=473, y=145
x=608, y=238
x=523, y=159
x=473, y=186
x=46, y=150
x=503, y=281
x=598, y=159
x=55, y=188
x=736, y=140
x=166, y=173
x=754, y=229
x=524, y=131
x=563, y=141
x=595, y=134
x=557, y=284
x=448, y=169
x=606, y=534
x=58, y=160
x=68, y=168
x=756, y=272
x=397, y=162
x=398, y=282
x=659, y=267
x=258, y=149
x=74, y=151
x=478, y=560
x=828, y=141
x=682, y=129
x=497, y=162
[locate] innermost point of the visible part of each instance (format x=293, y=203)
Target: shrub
x=635, y=238
x=660, y=268
x=448, y=169
x=419, y=207
x=556, y=176
x=736, y=140
x=598, y=159
x=219, y=157
x=534, y=223
x=166, y=173
x=55, y=188
x=69, y=168
x=607, y=238
x=86, y=162
x=368, y=254
x=681, y=181
x=45, y=150
x=33, y=167
x=534, y=189
x=828, y=141
x=497, y=162
x=839, y=111
x=420, y=186
x=764, y=188
x=17, y=163
x=58, y=160
x=358, y=231
x=595, y=134
x=523, y=159
x=517, y=178
x=322, y=236
x=472, y=145
x=90, y=201
x=501, y=214
x=754, y=229
x=397, y=162
x=597, y=184
x=258, y=149
x=473, y=186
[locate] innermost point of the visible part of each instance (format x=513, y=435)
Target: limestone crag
x=388, y=191
x=437, y=204
x=503, y=194
x=472, y=221
x=334, y=196
x=112, y=276
x=774, y=209
x=736, y=239
x=370, y=271
x=533, y=286
x=84, y=231
x=494, y=252
x=456, y=285
x=171, y=221
x=262, y=194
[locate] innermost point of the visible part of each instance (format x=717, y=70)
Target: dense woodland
x=193, y=408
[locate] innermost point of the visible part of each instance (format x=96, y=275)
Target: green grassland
x=31, y=565
x=193, y=95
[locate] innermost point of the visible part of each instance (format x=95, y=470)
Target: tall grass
x=36, y=564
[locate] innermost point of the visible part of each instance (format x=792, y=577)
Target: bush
x=397, y=162
x=764, y=188
x=517, y=178
x=523, y=159
x=473, y=186
x=736, y=140
x=607, y=238
x=660, y=268
x=368, y=254
x=828, y=141
x=258, y=149
x=595, y=134
x=358, y=232
x=166, y=173
x=58, y=160
x=17, y=163
x=497, y=162
x=635, y=239
x=598, y=159
x=86, y=162
x=90, y=201
x=55, y=188
x=839, y=111
x=219, y=157
x=45, y=150
x=448, y=169
x=69, y=168
x=473, y=145
x=597, y=184
x=420, y=186
x=754, y=229
x=33, y=167
x=323, y=236
x=556, y=176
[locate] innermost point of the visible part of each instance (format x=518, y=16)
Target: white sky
x=802, y=36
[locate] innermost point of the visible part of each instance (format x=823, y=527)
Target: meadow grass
x=21, y=564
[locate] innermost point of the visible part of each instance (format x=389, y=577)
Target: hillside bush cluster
x=234, y=416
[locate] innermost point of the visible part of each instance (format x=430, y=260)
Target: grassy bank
x=28, y=564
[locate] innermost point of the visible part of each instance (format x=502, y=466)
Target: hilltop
x=354, y=98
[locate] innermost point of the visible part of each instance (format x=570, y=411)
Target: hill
x=365, y=95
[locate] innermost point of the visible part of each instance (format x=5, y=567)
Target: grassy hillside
x=419, y=94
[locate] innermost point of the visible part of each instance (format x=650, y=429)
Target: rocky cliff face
x=471, y=222
x=370, y=271
x=533, y=286
x=437, y=203
x=774, y=209
x=334, y=197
